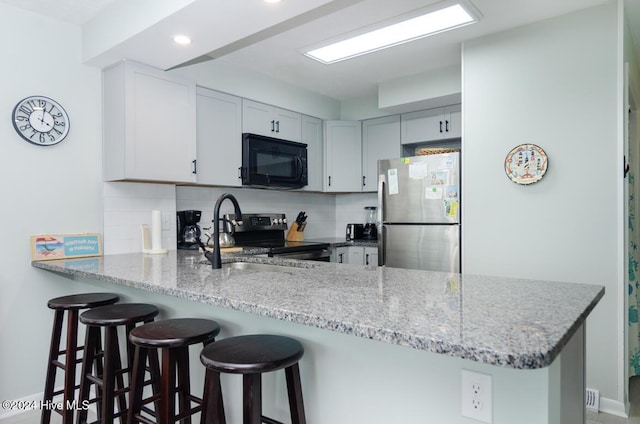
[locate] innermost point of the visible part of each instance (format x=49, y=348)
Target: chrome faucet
x=214, y=257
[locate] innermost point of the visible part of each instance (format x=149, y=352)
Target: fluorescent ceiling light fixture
x=182, y=39
x=408, y=30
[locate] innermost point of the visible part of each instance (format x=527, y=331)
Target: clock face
x=40, y=120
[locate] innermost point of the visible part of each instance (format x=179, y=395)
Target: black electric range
x=268, y=231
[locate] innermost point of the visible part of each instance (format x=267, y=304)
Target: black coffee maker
x=188, y=229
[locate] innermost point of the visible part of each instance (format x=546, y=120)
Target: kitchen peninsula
x=416, y=331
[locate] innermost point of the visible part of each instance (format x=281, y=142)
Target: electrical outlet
x=476, y=396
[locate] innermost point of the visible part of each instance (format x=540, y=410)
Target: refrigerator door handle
x=381, y=184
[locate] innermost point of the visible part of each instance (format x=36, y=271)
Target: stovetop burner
x=268, y=231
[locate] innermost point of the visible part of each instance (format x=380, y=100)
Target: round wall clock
x=526, y=164
x=40, y=120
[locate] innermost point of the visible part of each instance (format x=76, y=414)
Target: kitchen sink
x=252, y=266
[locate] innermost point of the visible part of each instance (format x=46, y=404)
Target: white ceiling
x=275, y=49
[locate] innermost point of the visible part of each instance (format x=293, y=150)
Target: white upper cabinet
x=343, y=156
x=312, y=137
x=431, y=124
x=380, y=140
x=263, y=119
x=219, y=138
x=149, y=125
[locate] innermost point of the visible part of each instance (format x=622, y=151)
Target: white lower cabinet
x=358, y=255
x=371, y=256
x=219, y=138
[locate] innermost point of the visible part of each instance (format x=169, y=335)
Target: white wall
x=54, y=189
x=553, y=84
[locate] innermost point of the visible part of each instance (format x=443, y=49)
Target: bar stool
x=71, y=304
x=173, y=337
x=251, y=356
x=108, y=375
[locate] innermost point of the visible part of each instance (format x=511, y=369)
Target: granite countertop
x=500, y=321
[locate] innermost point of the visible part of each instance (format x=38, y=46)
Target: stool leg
x=156, y=379
x=92, y=339
x=168, y=384
x=119, y=377
x=212, y=405
x=294, y=388
x=99, y=370
x=182, y=358
x=50, y=380
x=137, y=383
x=70, y=366
x=112, y=365
x=252, y=398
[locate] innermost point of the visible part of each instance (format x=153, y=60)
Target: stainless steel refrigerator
x=419, y=212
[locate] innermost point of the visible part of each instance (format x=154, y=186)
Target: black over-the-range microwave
x=271, y=162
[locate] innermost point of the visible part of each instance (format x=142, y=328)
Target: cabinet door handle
x=340, y=258
x=329, y=180
x=277, y=126
x=366, y=259
x=364, y=180
x=273, y=125
x=446, y=125
x=240, y=173
x=441, y=126
x=195, y=167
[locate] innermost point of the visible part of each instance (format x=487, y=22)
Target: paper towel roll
x=156, y=230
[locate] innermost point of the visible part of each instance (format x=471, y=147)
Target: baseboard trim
x=613, y=407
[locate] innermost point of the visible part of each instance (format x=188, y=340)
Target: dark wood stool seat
x=105, y=369
x=71, y=305
x=251, y=356
x=173, y=337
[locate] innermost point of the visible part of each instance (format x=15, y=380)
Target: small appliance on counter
x=354, y=231
x=370, y=230
x=188, y=230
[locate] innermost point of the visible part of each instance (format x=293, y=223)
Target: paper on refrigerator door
x=418, y=171
x=433, y=192
x=393, y=181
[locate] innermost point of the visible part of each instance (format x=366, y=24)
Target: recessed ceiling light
x=272, y=1
x=182, y=39
x=410, y=29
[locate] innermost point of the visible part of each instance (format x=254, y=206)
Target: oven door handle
x=310, y=255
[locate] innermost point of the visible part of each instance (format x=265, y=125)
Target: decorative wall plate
x=526, y=164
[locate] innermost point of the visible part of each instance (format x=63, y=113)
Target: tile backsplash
x=319, y=207
x=128, y=205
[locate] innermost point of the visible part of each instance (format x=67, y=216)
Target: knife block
x=294, y=234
